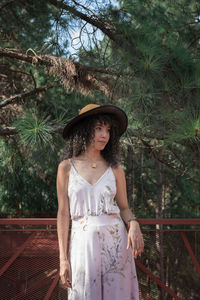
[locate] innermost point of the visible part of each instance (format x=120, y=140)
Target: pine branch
x=34, y=81
x=12, y=53
x=103, y=25
x=6, y=131
x=23, y=96
x=74, y=75
x=44, y=60
x=156, y=156
x=178, y=158
x=6, y=4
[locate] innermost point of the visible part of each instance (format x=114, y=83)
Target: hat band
x=88, y=108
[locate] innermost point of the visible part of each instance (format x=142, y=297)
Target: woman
x=96, y=261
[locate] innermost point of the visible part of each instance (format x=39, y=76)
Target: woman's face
x=101, y=135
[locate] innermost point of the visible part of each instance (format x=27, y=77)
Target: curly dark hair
x=82, y=134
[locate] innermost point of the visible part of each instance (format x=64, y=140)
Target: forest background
x=143, y=56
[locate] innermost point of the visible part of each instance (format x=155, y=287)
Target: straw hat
x=94, y=109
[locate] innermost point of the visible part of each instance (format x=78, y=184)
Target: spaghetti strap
x=70, y=161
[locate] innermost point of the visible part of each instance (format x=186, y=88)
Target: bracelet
x=127, y=215
x=133, y=219
x=62, y=261
x=130, y=221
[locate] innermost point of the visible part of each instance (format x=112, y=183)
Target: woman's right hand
x=65, y=273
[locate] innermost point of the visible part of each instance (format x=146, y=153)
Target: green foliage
x=27, y=19
x=154, y=59
x=34, y=131
x=186, y=126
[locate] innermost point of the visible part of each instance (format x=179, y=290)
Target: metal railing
x=169, y=268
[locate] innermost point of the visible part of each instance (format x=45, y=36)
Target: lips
x=102, y=142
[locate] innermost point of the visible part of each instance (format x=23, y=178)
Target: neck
x=92, y=154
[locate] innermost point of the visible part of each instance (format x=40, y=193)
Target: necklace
x=94, y=165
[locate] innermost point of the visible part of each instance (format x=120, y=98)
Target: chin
x=100, y=148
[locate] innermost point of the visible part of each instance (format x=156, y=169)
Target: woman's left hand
x=135, y=239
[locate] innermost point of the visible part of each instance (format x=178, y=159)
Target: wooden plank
x=52, y=221
x=52, y=287
x=193, y=257
x=157, y=280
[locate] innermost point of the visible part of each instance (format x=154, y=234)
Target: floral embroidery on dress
x=96, y=204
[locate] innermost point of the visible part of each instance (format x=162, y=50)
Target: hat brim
x=118, y=114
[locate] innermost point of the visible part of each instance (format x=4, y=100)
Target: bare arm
x=121, y=194
x=63, y=220
x=134, y=235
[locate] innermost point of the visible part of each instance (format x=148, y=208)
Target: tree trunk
x=159, y=227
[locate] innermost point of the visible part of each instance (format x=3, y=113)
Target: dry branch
x=74, y=76
x=8, y=131
x=22, y=96
x=106, y=27
x=6, y=4
x=5, y=131
x=156, y=155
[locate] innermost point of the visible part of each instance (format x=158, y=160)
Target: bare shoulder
x=118, y=172
x=64, y=167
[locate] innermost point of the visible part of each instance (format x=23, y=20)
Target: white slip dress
x=102, y=268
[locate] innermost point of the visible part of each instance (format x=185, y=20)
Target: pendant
x=94, y=165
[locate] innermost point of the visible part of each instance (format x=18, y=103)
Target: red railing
x=169, y=268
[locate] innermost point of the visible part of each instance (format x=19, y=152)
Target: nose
x=104, y=133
